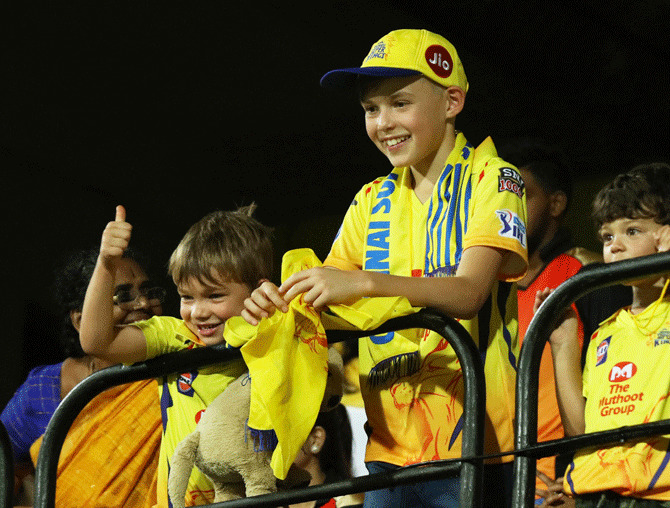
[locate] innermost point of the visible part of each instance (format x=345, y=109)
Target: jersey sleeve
x=164, y=334
x=498, y=217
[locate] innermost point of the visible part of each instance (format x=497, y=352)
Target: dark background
x=178, y=109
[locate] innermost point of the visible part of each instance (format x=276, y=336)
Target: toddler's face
x=629, y=238
x=205, y=308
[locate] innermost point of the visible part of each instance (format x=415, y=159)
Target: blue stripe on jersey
x=455, y=217
x=660, y=470
x=504, y=290
x=166, y=402
x=568, y=476
x=432, y=225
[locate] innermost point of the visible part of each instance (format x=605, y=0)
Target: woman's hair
x=69, y=289
x=641, y=193
x=335, y=455
x=228, y=244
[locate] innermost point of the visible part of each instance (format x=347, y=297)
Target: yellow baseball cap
x=405, y=53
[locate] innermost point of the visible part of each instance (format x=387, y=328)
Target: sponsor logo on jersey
x=198, y=415
x=511, y=226
x=510, y=181
x=185, y=382
x=601, y=352
x=622, y=371
x=439, y=60
x=662, y=337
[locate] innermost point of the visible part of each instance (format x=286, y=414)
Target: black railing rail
x=6, y=469
x=589, y=278
x=470, y=470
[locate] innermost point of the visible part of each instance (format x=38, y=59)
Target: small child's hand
x=116, y=237
x=662, y=237
x=263, y=302
x=554, y=495
x=566, y=328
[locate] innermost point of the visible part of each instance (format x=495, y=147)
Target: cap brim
x=346, y=78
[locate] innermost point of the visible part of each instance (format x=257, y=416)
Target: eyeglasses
x=128, y=299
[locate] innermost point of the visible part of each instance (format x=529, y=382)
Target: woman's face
x=132, y=284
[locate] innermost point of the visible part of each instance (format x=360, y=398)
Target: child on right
x=626, y=380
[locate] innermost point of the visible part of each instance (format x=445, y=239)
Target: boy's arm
x=566, y=356
x=460, y=296
x=98, y=334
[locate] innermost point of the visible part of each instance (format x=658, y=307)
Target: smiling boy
x=625, y=379
x=445, y=229
x=215, y=266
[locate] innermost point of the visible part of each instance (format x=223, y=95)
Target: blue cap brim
x=346, y=78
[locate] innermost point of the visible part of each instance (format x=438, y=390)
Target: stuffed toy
x=236, y=460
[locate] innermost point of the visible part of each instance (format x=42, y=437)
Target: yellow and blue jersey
x=183, y=399
x=411, y=380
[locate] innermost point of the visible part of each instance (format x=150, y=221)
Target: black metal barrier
x=470, y=466
x=588, y=279
x=6, y=469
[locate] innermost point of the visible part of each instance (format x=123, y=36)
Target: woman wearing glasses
x=110, y=455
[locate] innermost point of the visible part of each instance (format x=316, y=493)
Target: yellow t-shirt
x=411, y=381
x=183, y=398
x=626, y=382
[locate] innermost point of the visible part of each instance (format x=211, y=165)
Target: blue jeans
x=498, y=481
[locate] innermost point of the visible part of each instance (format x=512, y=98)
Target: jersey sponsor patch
x=511, y=226
x=622, y=371
x=601, y=352
x=510, y=180
x=185, y=382
x=662, y=338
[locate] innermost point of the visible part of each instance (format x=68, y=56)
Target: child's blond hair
x=228, y=245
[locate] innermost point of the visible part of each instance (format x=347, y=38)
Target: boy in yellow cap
x=445, y=229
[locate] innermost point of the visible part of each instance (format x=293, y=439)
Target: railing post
x=6, y=469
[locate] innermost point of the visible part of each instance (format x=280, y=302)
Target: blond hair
x=228, y=245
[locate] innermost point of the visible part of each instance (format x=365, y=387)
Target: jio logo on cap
x=439, y=60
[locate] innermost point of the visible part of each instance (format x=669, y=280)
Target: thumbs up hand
x=115, y=237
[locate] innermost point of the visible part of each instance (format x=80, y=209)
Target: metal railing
x=6, y=469
x=470, y=466
x=527, y=451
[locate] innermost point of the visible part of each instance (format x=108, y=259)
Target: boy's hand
x=566, y=328
x=662, y=237
x=263, y=302
x=116, y=237
x=324, y=286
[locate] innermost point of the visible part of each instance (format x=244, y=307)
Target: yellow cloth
x=289, y=376
x=110, y=455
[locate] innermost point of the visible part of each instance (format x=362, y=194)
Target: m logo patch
x=622, y=371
